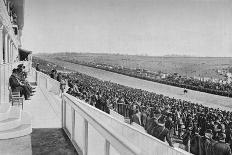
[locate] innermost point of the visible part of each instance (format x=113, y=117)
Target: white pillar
x=1, y=62
x=1, y=44
x=11, y=52
x=14, y=53
x=5, y=47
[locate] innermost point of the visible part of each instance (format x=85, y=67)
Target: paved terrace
x=47, y=136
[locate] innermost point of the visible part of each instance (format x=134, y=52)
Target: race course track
x=209, y=100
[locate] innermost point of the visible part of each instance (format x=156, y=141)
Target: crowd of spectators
x=222, y=89
x=161, y=116
x=201, y=130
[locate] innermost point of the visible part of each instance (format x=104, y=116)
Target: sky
x=144, y=27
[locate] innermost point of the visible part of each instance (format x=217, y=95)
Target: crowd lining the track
x=222, y=89
x=201, y=130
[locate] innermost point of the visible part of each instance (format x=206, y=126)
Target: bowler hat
x=209, y=131
x=221, y=136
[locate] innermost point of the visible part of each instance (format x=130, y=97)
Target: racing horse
x=185, y=91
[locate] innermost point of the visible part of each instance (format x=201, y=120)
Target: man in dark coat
x=37, y=67
x=136, y=117
x=153, y=121
x=221, y=148
x=161, y=132
x=207, y=143
x=17, y=86
x=195, y=143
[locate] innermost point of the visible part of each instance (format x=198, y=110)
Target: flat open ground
x=210, y=100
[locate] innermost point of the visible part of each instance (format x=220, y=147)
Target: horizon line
x=144, y=55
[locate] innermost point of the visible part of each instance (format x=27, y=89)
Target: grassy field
x=186, y=66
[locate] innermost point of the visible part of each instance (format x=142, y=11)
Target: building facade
x=11, y=25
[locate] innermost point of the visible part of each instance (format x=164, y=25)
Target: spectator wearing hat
x=221, y=148
x=229, y=134
x=207, y=142
x=153, y=121
x=195, y=143
x=186, y=139
x=21, y=75
x=53, y=74
x=16, y=85
x=37, y=67
x=161, y=132
x=136, y=117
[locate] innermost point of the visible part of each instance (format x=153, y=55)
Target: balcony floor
x=41, y=141
x=41, y=110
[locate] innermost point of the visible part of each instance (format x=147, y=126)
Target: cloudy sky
x=152, y=27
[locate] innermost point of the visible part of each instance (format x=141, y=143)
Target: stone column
x=1, y=44
x=14, y=53
x=5, y=47
x=1, y=62
x=11, y=52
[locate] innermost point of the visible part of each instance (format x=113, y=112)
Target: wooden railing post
x=85, y=151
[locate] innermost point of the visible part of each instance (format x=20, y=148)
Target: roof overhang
x=23, y=54
x=23, y=51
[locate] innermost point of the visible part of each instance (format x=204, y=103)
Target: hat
x=197, y=130
x=221, y=136
x=20, y=65
x=161, y=120
x=209, y=131
x=14, y=70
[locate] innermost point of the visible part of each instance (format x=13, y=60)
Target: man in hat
x=161, y=132
x=229, y=134
x=37, y=67
x=195, y=142
x=153, y=121
x=20, y=66
x=16, y=85
x=221, y=148
x=207, y=143
x=136, y=117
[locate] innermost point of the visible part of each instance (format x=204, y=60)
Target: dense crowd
x=161, y=116
x=172, y=79
x=202, y=130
